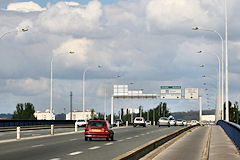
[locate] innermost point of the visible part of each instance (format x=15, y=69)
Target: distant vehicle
x=148, y=122
x=116, y=121
x=184, y=122
x=194, y=122
x=179, y=122
x=163, y=121
x=98, y=129
x=81, y=123
x=139, y=121
x=172, y=121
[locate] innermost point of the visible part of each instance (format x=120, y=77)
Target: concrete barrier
x=76, y=127
x=141, y=151
x=18, y=133
x=52, y=129
x=232, y=130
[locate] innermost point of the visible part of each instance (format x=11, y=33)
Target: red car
x=98, y=129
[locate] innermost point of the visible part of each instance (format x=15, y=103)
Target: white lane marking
x=55, y=159
x=74, y=139
x=142, y=134
x=39, y=145
x=129, y=138
x=147, y=133
x=136, y=136
x=121, y=140
x=27, y=131
x=108, y=143
x=74, y=153
x=95, y=147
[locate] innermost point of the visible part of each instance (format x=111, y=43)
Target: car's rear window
x=164, y=118
x=81, y=120
x=139, y=119
x=97, y=124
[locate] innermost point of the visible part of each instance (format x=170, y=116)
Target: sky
x=149, y=43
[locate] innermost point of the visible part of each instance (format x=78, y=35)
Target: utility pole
x=71, y=105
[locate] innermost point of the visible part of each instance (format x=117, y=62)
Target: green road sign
x=170, y=87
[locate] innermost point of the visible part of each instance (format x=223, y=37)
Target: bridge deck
x=191, y=146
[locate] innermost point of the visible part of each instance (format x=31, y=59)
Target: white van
x=139, y=121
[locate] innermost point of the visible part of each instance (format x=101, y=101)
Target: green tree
x=93, y=116
x=24, y=111
x=234, y=114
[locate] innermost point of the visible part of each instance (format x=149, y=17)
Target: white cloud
x=172, y=14
x=24, y=7
x=26, y=86
x=80, y=47
x=64, y=18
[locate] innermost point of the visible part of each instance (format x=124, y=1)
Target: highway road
x=73, y=146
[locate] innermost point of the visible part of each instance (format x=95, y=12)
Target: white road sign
x=170, y=96
x=171, y=92
x=191, y=93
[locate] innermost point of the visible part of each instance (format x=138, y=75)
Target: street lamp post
x=219, y=76
x=226, y=63
x=51, y=90
x=222, y=59
x=22, y=30
x=84, y=73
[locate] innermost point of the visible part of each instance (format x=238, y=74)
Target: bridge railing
x=232, y=130
x=12, y=123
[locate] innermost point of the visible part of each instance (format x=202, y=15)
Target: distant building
x=208, y=118
x=76, y=115
x=130, y=111
x=44, y=115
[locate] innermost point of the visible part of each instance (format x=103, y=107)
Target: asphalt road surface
x=73, y=146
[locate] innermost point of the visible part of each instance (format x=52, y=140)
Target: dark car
x=118, y=121
x=98, y=129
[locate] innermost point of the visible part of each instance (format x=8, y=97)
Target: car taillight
x=86, y=129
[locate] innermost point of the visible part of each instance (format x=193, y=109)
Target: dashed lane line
x=120, y=140
x=39, y=145
x=75, y=153
x=95, y=147
x=129, y=138
x=136, y=136
x=107, y=144
x=74, y=139
x=55, y=159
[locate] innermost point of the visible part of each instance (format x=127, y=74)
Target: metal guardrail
x=232, y=130
x=15, y=123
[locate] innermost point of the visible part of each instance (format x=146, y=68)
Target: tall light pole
x=222, y=59
x=219, y=72
x=226, y=63
x=51, y=90
x=84, y=73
